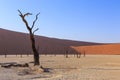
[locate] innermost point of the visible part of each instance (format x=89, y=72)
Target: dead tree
x=84, y=53
x=5, y=55
x=5, y=52
x=31, y=34
x=66, y=52
x=21, y=55
x=78, y=54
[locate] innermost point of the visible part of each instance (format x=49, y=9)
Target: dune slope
x=12, y=42
x=99, y=49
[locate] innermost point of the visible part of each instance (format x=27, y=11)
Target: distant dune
x=100, y=49
x=12, y=42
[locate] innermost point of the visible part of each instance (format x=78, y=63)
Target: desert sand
x=91, y=67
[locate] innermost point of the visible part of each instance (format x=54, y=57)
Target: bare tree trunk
x=66, y=53
x=84, y=53
x=36, y=54
x=21, y=55
x=79, y=54
x=5, y=55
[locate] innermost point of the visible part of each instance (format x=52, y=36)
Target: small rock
x=45, y=69
x=6, y=65
x=25, y=65
x=17, y=65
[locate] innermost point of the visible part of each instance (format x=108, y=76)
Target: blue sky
x=82, y=20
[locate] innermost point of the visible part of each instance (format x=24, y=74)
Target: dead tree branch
x=31, y=34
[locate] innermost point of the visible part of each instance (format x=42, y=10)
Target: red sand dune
x=99, y=49
x=18, y=43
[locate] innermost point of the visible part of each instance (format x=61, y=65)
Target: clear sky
x=82, y=20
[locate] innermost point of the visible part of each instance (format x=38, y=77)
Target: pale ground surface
x=91, y=67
